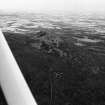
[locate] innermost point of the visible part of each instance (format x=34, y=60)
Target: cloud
x=53, y=5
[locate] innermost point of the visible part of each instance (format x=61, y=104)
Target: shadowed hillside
x=57, y=71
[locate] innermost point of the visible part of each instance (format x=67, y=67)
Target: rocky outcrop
x=48, y=43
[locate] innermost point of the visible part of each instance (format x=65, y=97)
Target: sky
x=53, y=5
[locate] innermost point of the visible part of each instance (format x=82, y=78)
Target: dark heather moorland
x=60, y=67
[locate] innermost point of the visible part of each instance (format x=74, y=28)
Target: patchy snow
x=86, y=39
x=79, y=44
